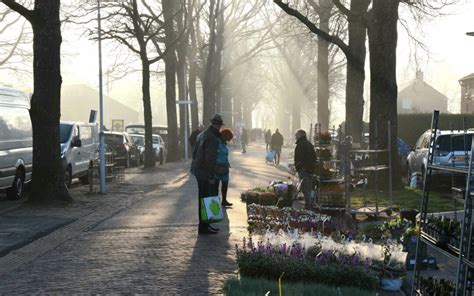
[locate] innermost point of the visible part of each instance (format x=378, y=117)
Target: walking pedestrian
x=305, y=164
x=194, y=135
x=276, y=143
x=268, y=138
x=204, y=165
x=223, y=165
x=244, y=139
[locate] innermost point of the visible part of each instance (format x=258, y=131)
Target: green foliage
x=411, y=126
x=408, y=199
x=300, y=270
x=249, y=286
x=371, y=230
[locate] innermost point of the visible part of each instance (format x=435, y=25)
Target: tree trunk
x=192, y=56
x=247, y=115
x=209, y=100
x=193, y=96
x=227, y=110
x=149, y=158
x=296, y=115
x=170, y=75
x=382, y=34
x=237, y=111
x=323, y=66
x=355, y=72
x=48, y=173
x=181, y=73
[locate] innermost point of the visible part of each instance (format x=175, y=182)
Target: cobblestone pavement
x=141, y=239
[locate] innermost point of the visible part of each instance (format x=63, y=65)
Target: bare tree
x=15, y=42
x=48, y=173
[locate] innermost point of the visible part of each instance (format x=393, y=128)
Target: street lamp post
x=101, y=108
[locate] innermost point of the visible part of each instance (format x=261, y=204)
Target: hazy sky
x=451, y=57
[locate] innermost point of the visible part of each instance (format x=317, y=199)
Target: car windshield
x=115, y=139
x=138, y=140
x=64, y=132
x=156, y=140
x=444, y=143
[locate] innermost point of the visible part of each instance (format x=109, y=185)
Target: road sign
x=117, y=125
x=181, y=102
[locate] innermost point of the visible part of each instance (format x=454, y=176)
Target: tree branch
x=26, y=13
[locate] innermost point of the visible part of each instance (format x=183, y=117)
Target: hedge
x=411, y=126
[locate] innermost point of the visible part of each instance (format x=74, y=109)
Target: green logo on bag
x=214, y=207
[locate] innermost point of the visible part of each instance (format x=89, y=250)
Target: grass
x=408, y=199
x=250, y=286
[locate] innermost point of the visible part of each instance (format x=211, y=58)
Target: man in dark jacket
x=268, y=138
x=276, y=144
x=203, y=166
x=305, y=163
x=194, y=135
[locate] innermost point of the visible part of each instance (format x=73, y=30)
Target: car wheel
x=16, y=191
x=161, y=157
x=68, y=177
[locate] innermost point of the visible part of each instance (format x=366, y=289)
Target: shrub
x=249, y=286
x=300, y=270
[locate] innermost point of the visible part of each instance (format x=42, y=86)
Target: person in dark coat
x=276, y=144
x=268, y=138
x=244, y=139
x=194, y=135
x=204, y=164
x=305, y=164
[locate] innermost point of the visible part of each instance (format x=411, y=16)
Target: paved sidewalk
x=142, y=239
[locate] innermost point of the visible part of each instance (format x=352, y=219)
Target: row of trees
x=376, y=20
x=194, y=40
x=224, y=45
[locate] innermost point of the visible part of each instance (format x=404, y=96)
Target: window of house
x=406, y=104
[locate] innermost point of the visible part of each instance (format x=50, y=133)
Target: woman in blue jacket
x=223, y=165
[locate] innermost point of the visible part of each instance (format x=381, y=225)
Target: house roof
x=470, y=76
x=417, y=84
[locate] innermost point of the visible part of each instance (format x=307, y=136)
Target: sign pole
x=101, y=108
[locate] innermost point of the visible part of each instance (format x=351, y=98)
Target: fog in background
x=266, y=82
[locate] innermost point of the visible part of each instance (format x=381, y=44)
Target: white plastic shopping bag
x=211, y=210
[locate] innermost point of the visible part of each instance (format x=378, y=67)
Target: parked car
x=79, y=149
x=140, y=129
x=449, y=150
x=16, y=142
x=158, y=146
x=125, y=151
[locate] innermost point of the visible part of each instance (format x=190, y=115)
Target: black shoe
x=213, y=228
x=207, y=230
x=226, y=204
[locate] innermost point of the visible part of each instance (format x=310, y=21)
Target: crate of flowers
x=323, y=153
x=324, y=138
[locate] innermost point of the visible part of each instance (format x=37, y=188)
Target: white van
x=79, y=149
x=16, y=142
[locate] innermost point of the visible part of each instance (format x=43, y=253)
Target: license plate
x=459, y=158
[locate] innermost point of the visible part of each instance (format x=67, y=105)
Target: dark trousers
x=205, y=189
x=225, y=185
x=306, y=187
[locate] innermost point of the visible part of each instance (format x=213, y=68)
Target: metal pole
x=390, y=162
x=185, y=115
x=101, y=108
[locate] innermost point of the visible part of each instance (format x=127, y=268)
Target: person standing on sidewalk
x=223, y=165
x=305, y=163
x=268, y=138
x=276, y=143
x=194, y=135
x=204, y=164
x=244, y=139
